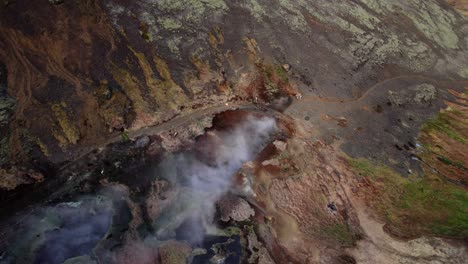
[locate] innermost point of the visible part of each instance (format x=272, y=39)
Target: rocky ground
x=286, y=131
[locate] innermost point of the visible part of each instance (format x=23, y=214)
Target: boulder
x=231, y=207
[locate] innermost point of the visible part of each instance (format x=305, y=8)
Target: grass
x=125, y=137
x=450, y=162
x=444, y=123
x=282, y=74
x=341, y=233
x=417, y=206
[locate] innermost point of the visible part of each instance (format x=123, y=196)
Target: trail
x=313, y=98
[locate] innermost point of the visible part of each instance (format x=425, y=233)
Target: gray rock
x=425, y=93
x=142, y=142
x=235, y=208
x=422, y=93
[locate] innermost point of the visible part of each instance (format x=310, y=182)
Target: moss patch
x=416, y=206
x=340, y=233
x=445, y=122
x=70, y=131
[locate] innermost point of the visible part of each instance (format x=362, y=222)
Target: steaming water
x=78, y=235
x=67, y=230
x=56, y=233
x=203, y=184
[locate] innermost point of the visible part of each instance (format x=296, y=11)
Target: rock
x=286, y=67
x=258, y=253
x=142, y=142
x=425, y=93
x=396, y=98
x=6, y=108
x=272, y=162
x=221, y=252
x=7, y=103
x=174, y=252
x=80, y=260
x=332, y=207
x=234, y=208
x=14, y=177
x=280, y=145
x=422, y=93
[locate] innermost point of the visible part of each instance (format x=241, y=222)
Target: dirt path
x=313, y=98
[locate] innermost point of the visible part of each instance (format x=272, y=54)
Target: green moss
x=69, y=130
x=340, y=233
x=445, y=124
x=282, y=74
x=145, y=36
x=125, y=137
x=231, y=231
x=169, y=23
x=363, y=167
x=429, y=204
x=447, y=161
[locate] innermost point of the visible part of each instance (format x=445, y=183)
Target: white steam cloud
x=202, y=182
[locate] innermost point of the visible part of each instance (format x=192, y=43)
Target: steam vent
x=234, y=131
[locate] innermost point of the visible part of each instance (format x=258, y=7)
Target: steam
x=202, y=182
x=55, y=233
x=59, y=232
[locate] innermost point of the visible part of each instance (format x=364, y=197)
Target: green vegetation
x=341, y=233
x=416, y=206
x=282, y=74
x=450, y=162
x=125, y=137
x=444, y=123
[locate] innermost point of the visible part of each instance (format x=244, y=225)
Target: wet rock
x=234, y=208
x=80, y=260
x=4, y=151
x=142, y=142
x=159, y=198
x=56, y=2
x=60, y=232
x=174, y=252
x=258, y=253
x=221, y=251
x=6, y=108
x=7, y=103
